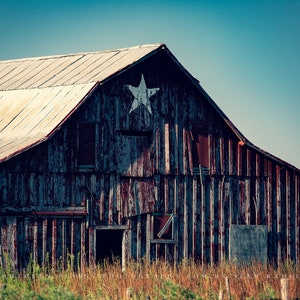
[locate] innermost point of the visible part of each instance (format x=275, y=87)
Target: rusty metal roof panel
x=34, y=114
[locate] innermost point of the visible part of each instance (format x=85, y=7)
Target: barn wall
x=144, y=164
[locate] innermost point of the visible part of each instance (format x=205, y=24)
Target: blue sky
x=246, y=54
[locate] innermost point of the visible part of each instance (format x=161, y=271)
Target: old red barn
x=122, y=152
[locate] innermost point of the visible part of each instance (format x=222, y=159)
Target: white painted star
x=142, y=95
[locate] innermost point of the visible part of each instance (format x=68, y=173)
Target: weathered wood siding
x=144, y=164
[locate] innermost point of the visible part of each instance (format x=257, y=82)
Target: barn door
x=109, y=245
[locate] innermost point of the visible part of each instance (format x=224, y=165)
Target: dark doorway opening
x=109, y=245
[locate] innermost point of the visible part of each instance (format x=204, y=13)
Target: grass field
x=158, y=280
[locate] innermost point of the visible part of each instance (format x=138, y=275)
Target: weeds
x=158, y=280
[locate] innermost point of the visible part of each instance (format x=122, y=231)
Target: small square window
x=163, y=226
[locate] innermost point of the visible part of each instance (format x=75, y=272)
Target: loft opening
x=87, y=145
x=200, y=147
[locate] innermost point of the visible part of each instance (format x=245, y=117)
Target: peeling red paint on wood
x=145, y=164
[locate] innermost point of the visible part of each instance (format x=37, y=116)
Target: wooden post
x=227, y=292
x=227, y=285
x=129, y=293
x=284, y=282
x=221, y=295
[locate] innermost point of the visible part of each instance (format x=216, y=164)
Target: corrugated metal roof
x=38, y=94
x=49, y=71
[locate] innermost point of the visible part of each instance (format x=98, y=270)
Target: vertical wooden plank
x=247, y=201
x=211, y=219
x=268, y=196
x=227, y=216
x=101, y=199
x=166, y=194
x=124, y=249
x=257, y=200
x=175, y=210
x=82, y=244
x=288, y=216
x=111, y=200
x=128, y=245
x=44, y=241
x=248, y=162
x=167, y=149
x=12, y=241
x=157, y=150
x=72, y=237
x=194, y=218
x=221, y=225
x=26, y=249
x=239, y=157
x=139, y=238
x=189, y=154
x=3, y=240
x=212, y=153
x=35, y=240
x=148, y=237
x=176, y=150
x=63, y=241
x=278, y=207
x=297, y=216
x=119, y=200
x=221, y=155
x=97, y=146
x=184, y=154
x=203, y=221
x=92, y=246
x=230, y=156
x=185, y=220
x=54, y=242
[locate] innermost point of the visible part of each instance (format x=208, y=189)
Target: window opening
x=163, y=226
x=87, y=134
x=200, y=153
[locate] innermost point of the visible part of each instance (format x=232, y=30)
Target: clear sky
x=245, y=53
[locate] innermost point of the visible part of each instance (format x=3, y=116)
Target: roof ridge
x=34, y=58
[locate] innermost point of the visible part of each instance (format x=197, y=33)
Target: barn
x=122, y=153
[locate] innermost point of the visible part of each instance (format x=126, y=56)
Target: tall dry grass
x=158, y=280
